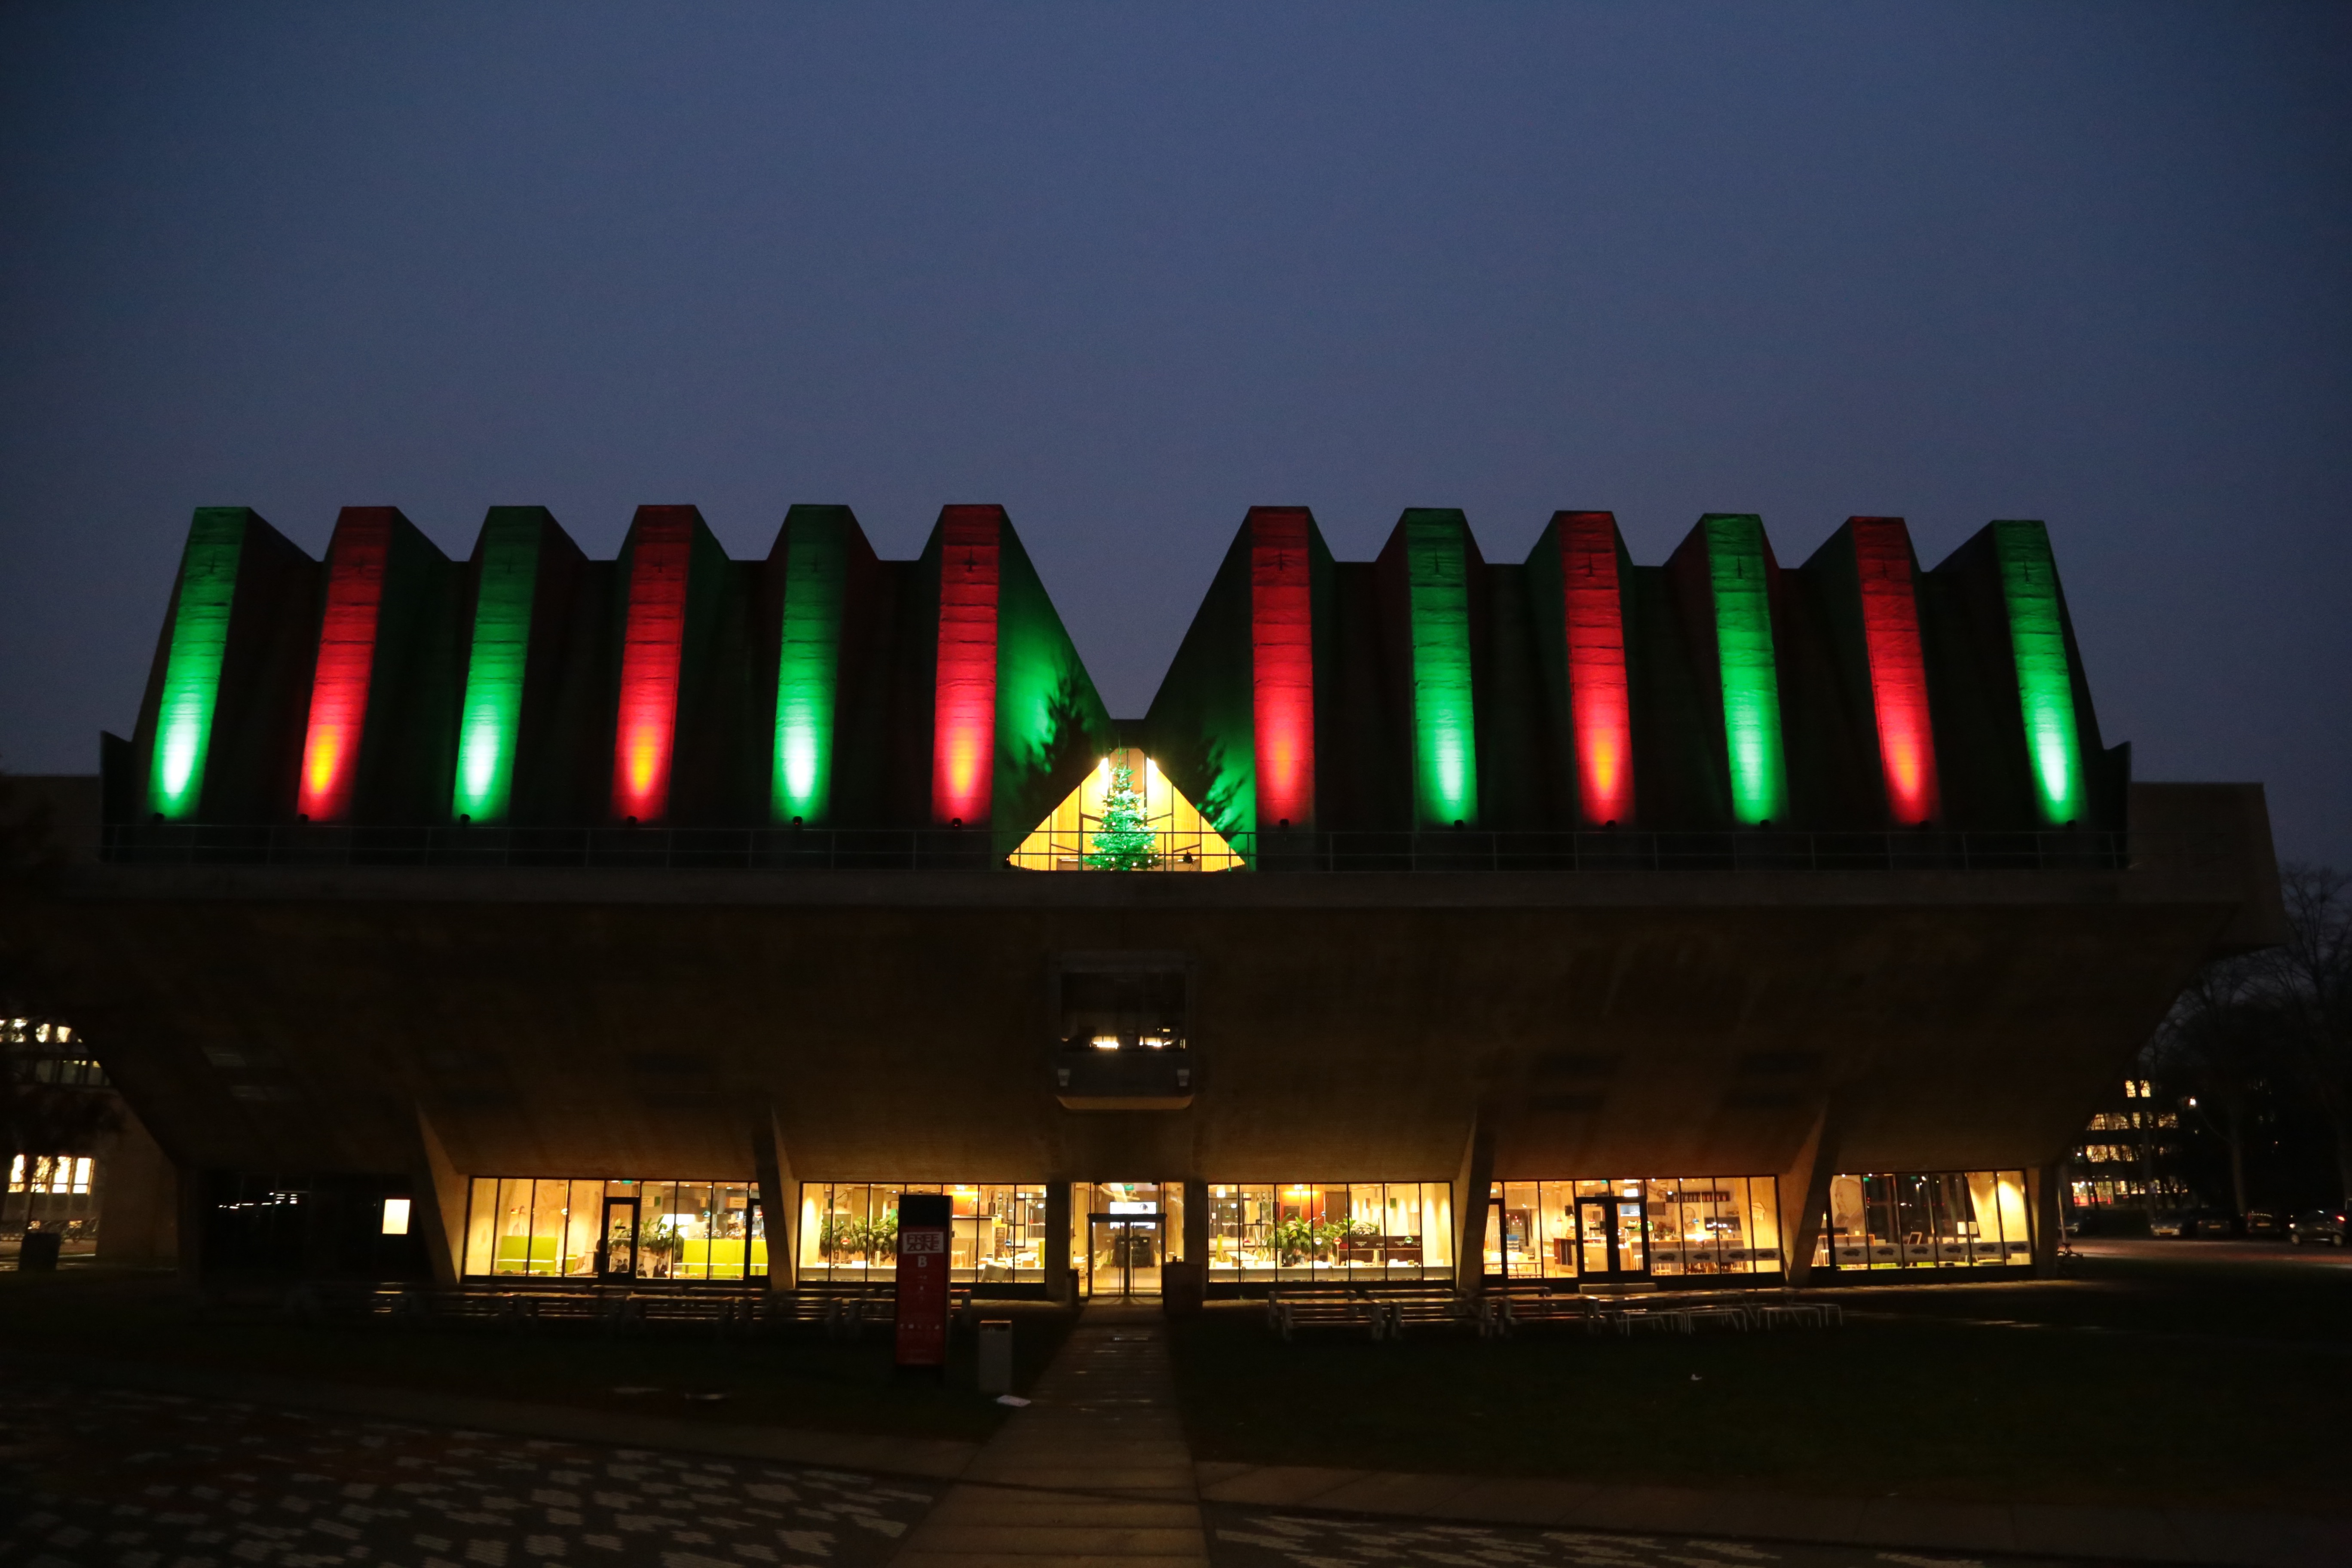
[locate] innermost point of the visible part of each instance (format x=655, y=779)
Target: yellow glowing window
x=1125, y=816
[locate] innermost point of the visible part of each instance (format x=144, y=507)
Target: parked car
x=2319, y=1226
x=2265, y=1221
x=2186, y=1223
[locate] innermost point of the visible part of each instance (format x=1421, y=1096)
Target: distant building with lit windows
x=2128, y=1161
x=61, y=1105
x=531, y=918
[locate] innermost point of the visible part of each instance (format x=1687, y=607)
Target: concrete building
x=531, y=917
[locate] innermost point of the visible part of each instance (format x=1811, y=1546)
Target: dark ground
x=144, y=1480
x=2207, y=1373
x=792, y=1377
x=2211, y=1374
x=2215, y=1374
x=117, y=1479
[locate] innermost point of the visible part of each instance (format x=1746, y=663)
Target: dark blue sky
x=1129, y=270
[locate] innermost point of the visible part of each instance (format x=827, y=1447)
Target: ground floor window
x=1633, y=1227
x=1360, y=1232
x=51, y=1190
x=50, y=1173
x=593, y=1228
x=849, y=1231
x=1934, y=1219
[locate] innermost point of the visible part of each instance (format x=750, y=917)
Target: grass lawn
x=2151, y=1385
x=794, y=1377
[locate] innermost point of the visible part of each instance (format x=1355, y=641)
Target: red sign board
x=924, y=1222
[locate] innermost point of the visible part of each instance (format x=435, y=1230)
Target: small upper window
x=1111, y=1001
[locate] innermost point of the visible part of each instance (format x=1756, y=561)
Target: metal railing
x=973, y=849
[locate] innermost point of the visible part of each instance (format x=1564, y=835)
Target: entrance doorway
x=1123, y=1255
x=617, y=1249
x=1611, y=1235
x=1132, y=1229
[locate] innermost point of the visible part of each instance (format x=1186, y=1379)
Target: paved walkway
x=131, y=1479
x=943, y=1457
x=1880, y=1526
x=1094, y=1473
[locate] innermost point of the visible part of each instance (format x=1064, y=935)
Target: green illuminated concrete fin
x=808, y=662
x=1201, y=725
x=1051, y=724
x=489, y=724
x=205, y=596
x=1738, y=579
x=1444, y=723
x=2045, y=676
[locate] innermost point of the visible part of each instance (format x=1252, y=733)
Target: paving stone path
x=120, y=1480
x=1256, y=1538
x=1095, y=1472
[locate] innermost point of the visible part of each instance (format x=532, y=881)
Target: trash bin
x=996, y=1355
x=40, y=1251
x=1183, y=1286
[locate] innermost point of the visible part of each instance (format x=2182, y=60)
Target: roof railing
x=973, y=849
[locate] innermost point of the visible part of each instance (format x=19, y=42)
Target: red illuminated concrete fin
x=345, y=669
x=964, y=718
x=1282, y=665
x=659, y=557
x=1887, y=573
x=1599, y=700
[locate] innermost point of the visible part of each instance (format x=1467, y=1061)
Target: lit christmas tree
x=1124, y=840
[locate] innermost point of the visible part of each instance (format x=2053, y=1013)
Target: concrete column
x=1058, y=1281
x=193, y=1206
x=139, y=1221
x=1804, y=1198
x=780, y=1201
x=1471, y=1180
x=1196, y=1224
x=1804, y=1193
x=2042, y=1186
x=437, y=1203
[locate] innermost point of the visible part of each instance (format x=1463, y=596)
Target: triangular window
x=1126, y=816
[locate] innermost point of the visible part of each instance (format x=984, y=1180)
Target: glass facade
x=1120, y=1233
x=1332, y=1232
x=560, y=1229
x=1654, y=1227
x=849, y=1232
x=1941, y=1219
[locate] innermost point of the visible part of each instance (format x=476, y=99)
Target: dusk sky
x=1129, y=270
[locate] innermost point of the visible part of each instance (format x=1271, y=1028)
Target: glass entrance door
x=617, y=1250
x=1126, y=1230
x=1612, y=1234
x=1123, y=1255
